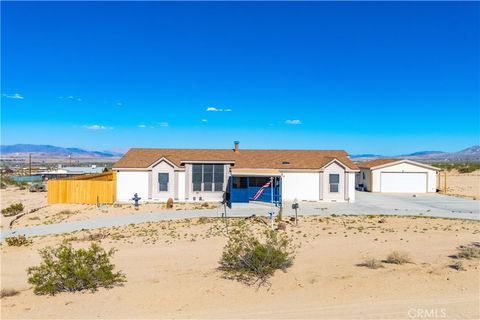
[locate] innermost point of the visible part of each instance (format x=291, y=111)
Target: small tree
x=13, y=209
x=253, y=259
x=65, y=269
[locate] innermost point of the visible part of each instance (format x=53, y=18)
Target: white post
x=271, y=208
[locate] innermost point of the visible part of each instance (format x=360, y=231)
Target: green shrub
x=469, y=251
x=253, y=259
x=65, y=269
x=13, y=210
x=398, y=257
x=18, y=241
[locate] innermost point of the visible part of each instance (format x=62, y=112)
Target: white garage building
x=240, y=175
x=396, y=176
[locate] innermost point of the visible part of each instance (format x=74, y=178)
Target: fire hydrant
x=136, y=198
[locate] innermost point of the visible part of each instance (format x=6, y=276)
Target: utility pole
x=30, y=164
x=445, y=183
x=70, y=159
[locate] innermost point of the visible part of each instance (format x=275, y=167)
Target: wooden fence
x=85, y=189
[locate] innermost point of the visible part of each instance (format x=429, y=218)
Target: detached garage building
x=396, y=176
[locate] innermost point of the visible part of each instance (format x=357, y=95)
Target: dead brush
x=8, y=293
x=470, y=251
x=398, y=257
x=371, y=263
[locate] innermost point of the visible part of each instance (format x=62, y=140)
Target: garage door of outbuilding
x=403, y=182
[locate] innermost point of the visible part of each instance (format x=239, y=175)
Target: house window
x=334, y=180
x=207, y=177
x=163, y=182
x=363, y=175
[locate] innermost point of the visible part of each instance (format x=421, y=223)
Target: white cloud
x=204, y=120
x=163, y=124
x=294, y=122
x=97, y=127
x=218, y=109
x=70, y=98
x=142, y=126
x=17, y=96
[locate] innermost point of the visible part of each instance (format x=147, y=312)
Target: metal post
x=30, y=164
x=271, y=204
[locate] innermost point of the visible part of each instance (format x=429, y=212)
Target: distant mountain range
x=48, y=151
x=469, y=154
x=20, y=151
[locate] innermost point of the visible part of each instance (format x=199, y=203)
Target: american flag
x=260, y=191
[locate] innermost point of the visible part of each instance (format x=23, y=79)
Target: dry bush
x=371, y=263
x=8, y=293
x=18, y=241
x=458, y=265
x=252, y=259
x=398, y=257
x=470, y=251
x=64, y=268
x=13, y=210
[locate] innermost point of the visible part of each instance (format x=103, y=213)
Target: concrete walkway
x=432, y=205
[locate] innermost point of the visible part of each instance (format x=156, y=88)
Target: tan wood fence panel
x=88, y=191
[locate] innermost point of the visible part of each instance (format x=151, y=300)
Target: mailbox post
x=295, y=207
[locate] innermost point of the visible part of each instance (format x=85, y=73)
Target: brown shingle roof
x=245, y=158
x=374, y=163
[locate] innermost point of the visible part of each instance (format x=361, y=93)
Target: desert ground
x=461, y=184
x=56, y=213
x=172, y=272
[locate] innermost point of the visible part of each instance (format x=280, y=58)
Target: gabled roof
x=380, y=163
x=375, y=163
x=245, y=158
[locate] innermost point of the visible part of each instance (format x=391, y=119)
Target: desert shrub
x=18, y=241
x=64, y=268
x=372, y=263
x=398, y=257
x=13, y=210
x=253, y=259
x=8, y=293
x=458, y=265
x=470, y=251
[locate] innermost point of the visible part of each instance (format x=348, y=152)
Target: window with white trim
x=163, y=182
x=207, y=177
x=333, y=180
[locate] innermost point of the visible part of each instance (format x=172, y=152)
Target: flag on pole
x=260, y=191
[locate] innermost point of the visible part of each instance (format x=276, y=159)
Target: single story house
x=396, y=175
x=238, y=175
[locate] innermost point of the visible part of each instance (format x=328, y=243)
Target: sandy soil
x=55, y=213
x=461, y=184
x=171, y=270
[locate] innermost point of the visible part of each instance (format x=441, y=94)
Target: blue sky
x=369, y=77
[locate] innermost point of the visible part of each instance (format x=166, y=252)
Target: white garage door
x=406, y=182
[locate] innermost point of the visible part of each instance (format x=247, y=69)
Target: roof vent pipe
x=236, y=143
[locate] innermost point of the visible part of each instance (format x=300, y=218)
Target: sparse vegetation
x=252, y=259
x=18, y=241
x=8, y=293
x=64, y=268
x=398, y=257
x=458, y=265
x=460, y=167
x=372, y=263
x=470, y=251
x=13, y=210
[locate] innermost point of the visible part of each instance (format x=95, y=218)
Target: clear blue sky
x=369, y=77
